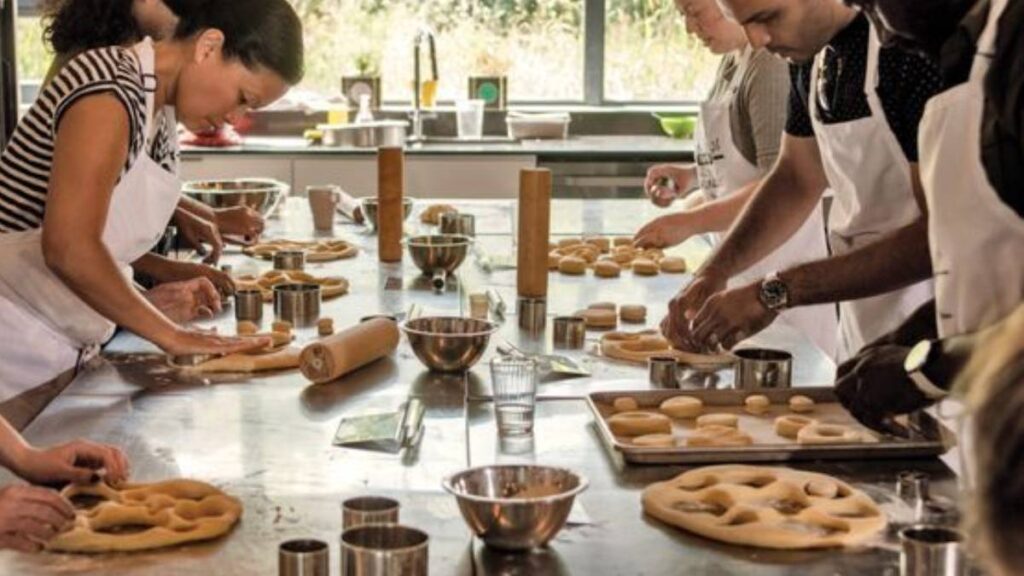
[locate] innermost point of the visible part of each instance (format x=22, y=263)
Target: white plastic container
x=523, y=126
x=469, y=118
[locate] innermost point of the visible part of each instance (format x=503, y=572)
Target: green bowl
x=678, y=126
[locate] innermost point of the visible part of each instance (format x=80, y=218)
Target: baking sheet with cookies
x=927, y=436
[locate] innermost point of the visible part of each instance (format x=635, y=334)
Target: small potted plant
x=366, y=80
x=490, y=81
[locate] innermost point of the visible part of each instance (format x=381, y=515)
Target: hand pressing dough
x=625, y=404
x=607, y=269
x=246, y=328
x=819, y=433
x=655, y=441
x=599, y=319
x=727, y=420
x=639, y=424
x=672, y=265
x=634, y=314
x=801, y=404
x=756, y=404
x=645, y=267
x=172, y=512
x=764, y=507
x=316, y=250
x=790, y=425
x=572, y=265
x=640, y=346
x=432, y=214
x=681, y=407
x=718, y=437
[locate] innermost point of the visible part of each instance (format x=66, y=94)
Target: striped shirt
x=28, y=159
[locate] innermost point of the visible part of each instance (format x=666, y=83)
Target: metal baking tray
x=928, y=438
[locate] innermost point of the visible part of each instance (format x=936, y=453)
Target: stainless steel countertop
x=267, y=440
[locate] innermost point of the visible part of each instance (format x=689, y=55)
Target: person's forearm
x=193, y=206
x=719, y=214
x=93, y=275
x=12, y=446
x=896, y=260
x=159, y=268
x=776, y=210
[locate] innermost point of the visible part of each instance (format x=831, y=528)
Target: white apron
x=977, y=241
x=44, y=327
x=722, y=170
x=870, y=177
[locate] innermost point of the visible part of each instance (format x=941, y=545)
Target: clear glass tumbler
x=514, y=381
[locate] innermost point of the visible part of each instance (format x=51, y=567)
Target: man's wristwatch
x=914, y=364
x=774, y=293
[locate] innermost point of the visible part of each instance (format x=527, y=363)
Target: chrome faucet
x=417, y=111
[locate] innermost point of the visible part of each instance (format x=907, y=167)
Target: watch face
x=774, y=293
x=917, y=356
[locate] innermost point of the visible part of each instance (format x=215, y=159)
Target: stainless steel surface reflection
x=267, y=439
x=515, y=507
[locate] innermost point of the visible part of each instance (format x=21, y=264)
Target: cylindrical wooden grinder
x=348, y=350
x=390, y=189
x=534, y=229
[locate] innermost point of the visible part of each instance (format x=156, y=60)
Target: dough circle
x=174, y=512
x=645, y=267
x=639, y=424
x=655, y=441
x=672, y=265
x=633, y=313
x=625, y=404
x=756, y=404
x=801, y=404
x=600, y=319
x=572, y=265
x=325, y=326
x=820, y=433
x=726, y=420
x=682, y=407
x=718, y=436
x=607, y=269
x=789, y=426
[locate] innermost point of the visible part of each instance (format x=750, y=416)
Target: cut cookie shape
x=655, y=441
x=672, y=265
x=726, y=420
x=639, y=424
x=682, y=407
x=756, y=404
x=819, y=433
x=718, y=437
x=801, y=404
x=330, y=286
x=572, y=265
x=607, y=269
x=645, y=267
x=790, y=425
x=639, y=347
x=633, y=313
x=625, y=404
x=316, y=250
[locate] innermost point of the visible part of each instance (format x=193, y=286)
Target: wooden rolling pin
x=390, y=183
x=534, y=229
x=337, y=355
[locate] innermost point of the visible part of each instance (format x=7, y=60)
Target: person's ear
x=209, y=44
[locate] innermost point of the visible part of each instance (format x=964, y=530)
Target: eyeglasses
x=829, y=73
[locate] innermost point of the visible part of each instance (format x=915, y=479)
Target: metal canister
x=303, y=558
x=663, y=371
x=763, y=368
x=384, y=550
x=931, y=551
x=249, y=305
x=533, y=313
x=570, y=332
x=298, y=304
x=289, y=260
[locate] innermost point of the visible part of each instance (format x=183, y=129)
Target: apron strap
x=987, y=41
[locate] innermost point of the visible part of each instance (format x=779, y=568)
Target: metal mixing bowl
x=261, y=194
x=515, y=507
x=440, y=252
x=369, y=206
x=448, y=343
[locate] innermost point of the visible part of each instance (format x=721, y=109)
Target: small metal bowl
x=442, y=252
x=448, y=343
x=260, y=194
x=515, y=507
x=369, y=206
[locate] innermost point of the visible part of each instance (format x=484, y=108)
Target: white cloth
x=44, y=326
x=723, y=170
x=977, y=241
x=870, y=177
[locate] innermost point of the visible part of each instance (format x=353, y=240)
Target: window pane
x=649, y=57
x=537, y=43
x=33, y=56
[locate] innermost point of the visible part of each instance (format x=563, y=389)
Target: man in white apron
x=723, y=170
x=976, y=237
x=860, y=160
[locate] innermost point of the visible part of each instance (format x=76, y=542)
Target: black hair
x=257, y=32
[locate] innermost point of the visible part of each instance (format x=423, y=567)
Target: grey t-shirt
x=758, y=116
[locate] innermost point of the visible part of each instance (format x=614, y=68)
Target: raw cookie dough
x=284, y=359
x=572, y=265
x=603, y=306
x=633, y=313
x=625, y=404
x=325, y=326
x=607, y=269
x=819, y=433
x=599, y=319
x=765, y=508
x=801, y=404
x=246, y=328
x=756, y=404
x=672, y=265
x=639, y=347
x=553, y=259
x=789, y=426
x=645, y=267
x=281, y=326
x=655, y=441
x=316, y=250
x=602, y=244
x=718, y=437
x=726, y=420
x=622, y=241
x=432, y=214
x=639, y=424
x=171, y=513
x=681, y=407
x=565, y=243
x=330, y=286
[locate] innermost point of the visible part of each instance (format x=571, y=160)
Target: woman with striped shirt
x=82, y=200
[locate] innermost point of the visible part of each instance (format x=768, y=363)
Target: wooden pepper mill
x=390, y=192
x=533, y=236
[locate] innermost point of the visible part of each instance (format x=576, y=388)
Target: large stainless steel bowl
x=370, y=206
x=515, y=507
x=448, y=343
x=261, y=194
x=439, y=252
